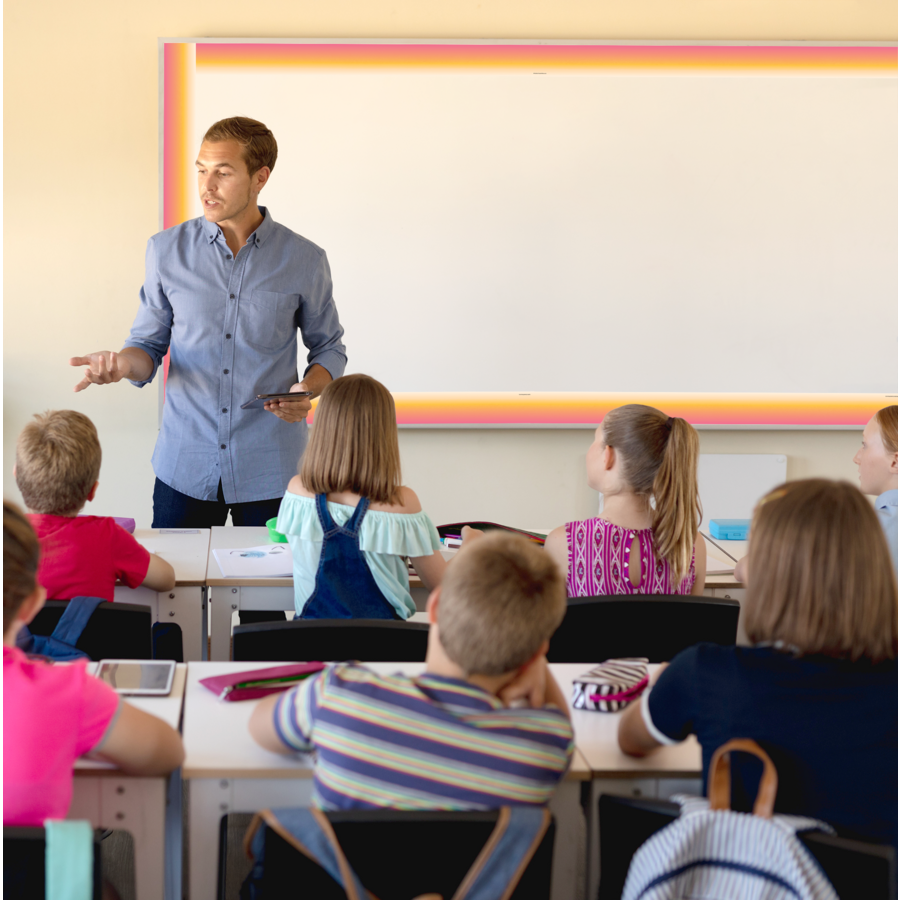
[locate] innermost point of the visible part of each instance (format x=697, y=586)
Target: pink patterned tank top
x=599, y=554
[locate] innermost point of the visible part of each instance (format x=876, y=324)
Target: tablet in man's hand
x=260, y=400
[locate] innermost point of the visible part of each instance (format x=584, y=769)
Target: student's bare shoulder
x=409, y=503
x=296, y=486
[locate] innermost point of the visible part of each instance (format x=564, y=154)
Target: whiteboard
x=636, y=229
x=731, y=484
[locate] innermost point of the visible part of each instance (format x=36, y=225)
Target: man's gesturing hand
x=291, y=410
x=103, y=367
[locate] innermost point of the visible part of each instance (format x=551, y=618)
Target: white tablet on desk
x=149, y=678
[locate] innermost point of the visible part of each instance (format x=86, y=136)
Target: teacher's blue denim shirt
x=230, y=326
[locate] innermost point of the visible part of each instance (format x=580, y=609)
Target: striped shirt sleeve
x=295, y=713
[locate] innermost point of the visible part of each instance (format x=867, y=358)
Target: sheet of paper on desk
x=715, y=567
x=267, y=561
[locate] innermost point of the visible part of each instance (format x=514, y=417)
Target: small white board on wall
x=732, y=483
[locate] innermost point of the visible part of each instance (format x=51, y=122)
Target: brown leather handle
x=719, y=781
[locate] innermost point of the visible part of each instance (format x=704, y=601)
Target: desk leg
x=569, y=847
x=137, y=805
x=186, y=607
x=223, y=602
x=619, y=787
x=212, y=798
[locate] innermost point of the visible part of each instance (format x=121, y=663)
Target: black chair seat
x=857, y=870
x=114, y=631
x=24, y=876
x=329, y=640
x=396, y=854
x=657, y=626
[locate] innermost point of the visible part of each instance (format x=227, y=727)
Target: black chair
x=858, y=870
x=328, y=640
x=114, y=631
x=437, y=850
x=23, y=864
x=657, y=626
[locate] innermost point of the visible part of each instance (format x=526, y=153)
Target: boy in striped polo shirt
x=486, y=725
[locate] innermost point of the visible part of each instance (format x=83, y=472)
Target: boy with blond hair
x=449, y=738
x=57, y=466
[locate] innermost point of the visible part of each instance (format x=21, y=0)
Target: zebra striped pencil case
x=612, y=685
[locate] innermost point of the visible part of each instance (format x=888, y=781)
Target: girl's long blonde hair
x=659, y=458
x=353, y=446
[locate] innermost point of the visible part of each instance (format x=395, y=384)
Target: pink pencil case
x=260, y=682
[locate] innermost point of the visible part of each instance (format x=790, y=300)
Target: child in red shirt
x=57, y=464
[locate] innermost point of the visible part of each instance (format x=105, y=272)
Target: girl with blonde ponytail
x=646, y=540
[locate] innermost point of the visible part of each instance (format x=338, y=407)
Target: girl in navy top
x=818, y=688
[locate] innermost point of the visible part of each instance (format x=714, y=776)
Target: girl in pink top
x=646, y=540
x=52, y=714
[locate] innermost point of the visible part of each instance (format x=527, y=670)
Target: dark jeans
x=172, y=509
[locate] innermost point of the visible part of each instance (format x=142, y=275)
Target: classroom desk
x=667, y=771
x=187, y=551
x=228, y=772
x=148, y=808
x=228, y=595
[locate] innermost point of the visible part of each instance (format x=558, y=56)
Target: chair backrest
x=114, y=631
x=24, y=875
x=398, y=855
x=329, y=640
x=858, y=870
x=657, y=626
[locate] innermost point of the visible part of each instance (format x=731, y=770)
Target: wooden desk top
x=217, y=741
x=166, y=708
x=596, y=738
x=186, y=551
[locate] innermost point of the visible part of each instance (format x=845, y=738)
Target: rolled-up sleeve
x=152, y=327
x=320, y=326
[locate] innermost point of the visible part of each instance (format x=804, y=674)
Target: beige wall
x=81, y=199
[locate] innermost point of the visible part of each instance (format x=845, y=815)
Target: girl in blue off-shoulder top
x=349, y=522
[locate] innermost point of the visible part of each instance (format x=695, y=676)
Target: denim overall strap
x=355, y=522
x=345, y=587
x=328, y=524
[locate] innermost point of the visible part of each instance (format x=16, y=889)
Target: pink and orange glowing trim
x=577, y=409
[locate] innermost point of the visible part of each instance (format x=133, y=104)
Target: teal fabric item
x=69, y=860
x=385, y=540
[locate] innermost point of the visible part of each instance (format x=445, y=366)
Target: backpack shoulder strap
x=504, y=858
x=74, y=619
x=310, y=832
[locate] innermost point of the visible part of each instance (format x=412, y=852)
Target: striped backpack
x=713, y=853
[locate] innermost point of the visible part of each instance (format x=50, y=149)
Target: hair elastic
x=669, y=422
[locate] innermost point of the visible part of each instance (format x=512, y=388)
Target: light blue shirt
x=230, y=326
x=886, y=507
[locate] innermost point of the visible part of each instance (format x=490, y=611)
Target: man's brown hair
x=887, y=422
x=258, y=146
x=501, y=598
x=21, y=552
x=820, y=576
x=57, y=462
x=353, y=446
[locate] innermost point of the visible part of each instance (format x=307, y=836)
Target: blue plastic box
x=729, y=529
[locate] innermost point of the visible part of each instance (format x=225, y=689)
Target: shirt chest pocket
x=267, y=320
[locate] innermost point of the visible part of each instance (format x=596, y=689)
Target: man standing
x=225, y=294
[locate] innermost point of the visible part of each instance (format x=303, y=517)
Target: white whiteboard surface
x=506, y=231
x=731, y=484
